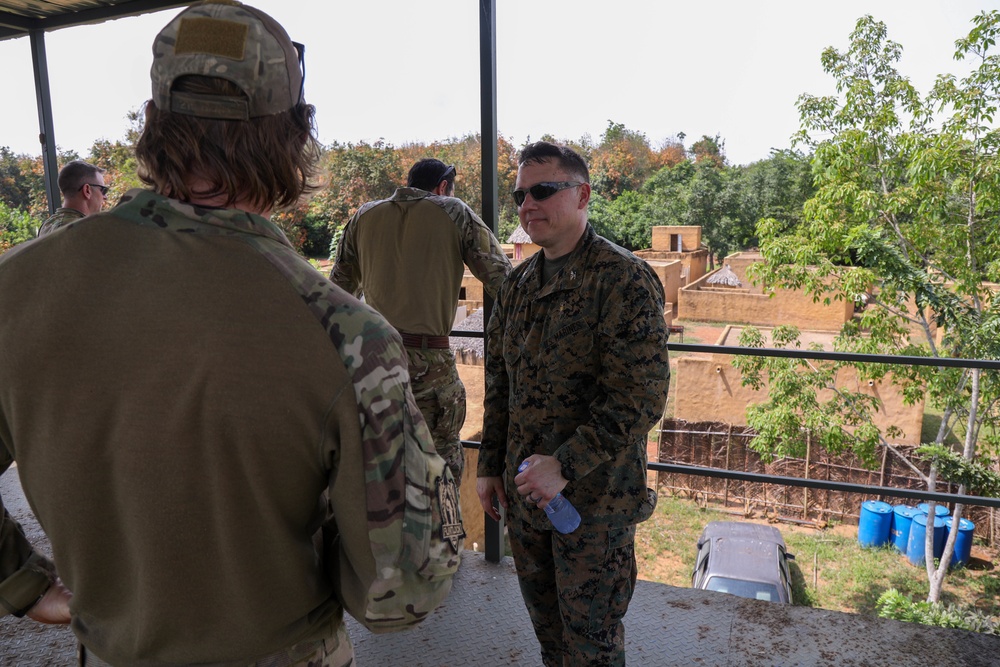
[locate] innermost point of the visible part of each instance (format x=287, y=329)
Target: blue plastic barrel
x=873, y=526
x=963, y=542
x=939, y=509
x=918, y=532
x=899, y=529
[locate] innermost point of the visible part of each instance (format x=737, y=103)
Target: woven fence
x=725, y=446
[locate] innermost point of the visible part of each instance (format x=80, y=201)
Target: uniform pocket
x=570, y=345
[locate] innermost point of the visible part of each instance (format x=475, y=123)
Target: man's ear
x=441, y=189
x=584, y=195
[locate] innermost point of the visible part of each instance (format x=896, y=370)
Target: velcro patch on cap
x=212, y=36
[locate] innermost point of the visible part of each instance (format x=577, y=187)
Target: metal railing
x=494, y=529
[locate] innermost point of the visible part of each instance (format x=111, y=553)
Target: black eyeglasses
x=301, y=50
x=104, y=188
x=542, y=191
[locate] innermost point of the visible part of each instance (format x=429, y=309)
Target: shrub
x=894, y=605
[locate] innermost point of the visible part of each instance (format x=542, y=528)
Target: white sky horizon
x=408, y=72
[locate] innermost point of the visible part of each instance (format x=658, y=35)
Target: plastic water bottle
x=562, y=514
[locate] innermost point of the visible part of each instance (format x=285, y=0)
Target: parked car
x=744, y=559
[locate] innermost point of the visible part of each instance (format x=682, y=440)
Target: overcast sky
x=408, y=71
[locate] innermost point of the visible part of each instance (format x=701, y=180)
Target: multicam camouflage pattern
x=440, y=395
x=62, y=216
x=229, y=41
x=335, y=651
x=412, y=535
x=578, y=369
x=577, y=588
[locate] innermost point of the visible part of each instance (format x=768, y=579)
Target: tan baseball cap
x=228, y=40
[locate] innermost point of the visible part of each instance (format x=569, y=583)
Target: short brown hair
x=74, y=175
x=268, y=161
x=567, y=158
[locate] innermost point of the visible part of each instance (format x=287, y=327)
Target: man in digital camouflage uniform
x=576, y=375
x=406, y=255
x=83, y=193
x=211, y=433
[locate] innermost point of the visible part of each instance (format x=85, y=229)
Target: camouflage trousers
x=336, y=651
x=577, y=588
x=440, y=395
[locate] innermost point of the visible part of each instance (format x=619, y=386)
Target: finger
x=502, y=496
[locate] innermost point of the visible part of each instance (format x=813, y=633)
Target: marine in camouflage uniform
x=61, y=217
x=576, y=369
x=406, y=255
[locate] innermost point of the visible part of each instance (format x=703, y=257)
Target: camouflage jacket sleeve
x=482, y=253
x=346, y=272
x=25, y=574
x=395, y=539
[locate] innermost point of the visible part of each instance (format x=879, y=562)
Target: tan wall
x=669, y=273
x=738, y=263
x=709, y=389
x=474, y=379
x=527, y=250
x=693, y=264
x=690, y=237
x=703, y=303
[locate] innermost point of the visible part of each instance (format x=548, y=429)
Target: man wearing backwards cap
x=237, y=457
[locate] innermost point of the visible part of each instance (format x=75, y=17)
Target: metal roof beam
x=21, y=23
x=106, y=13
x=17, y=25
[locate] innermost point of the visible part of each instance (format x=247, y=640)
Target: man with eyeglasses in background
x=83, y=193
x=209, y=431
x=576, y=376
x=406, y=256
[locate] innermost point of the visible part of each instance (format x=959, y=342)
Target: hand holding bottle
x=560, y=511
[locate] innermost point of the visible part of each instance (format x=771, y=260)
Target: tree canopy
x=904, y=222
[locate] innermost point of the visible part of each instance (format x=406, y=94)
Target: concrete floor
x=483, y=623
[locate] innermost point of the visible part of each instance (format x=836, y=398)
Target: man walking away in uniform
x=211, y=433
x=576, y=376
x=83, y=193
x=406, y=255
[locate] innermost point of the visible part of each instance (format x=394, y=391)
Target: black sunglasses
x=542, y=191
x=447, y=172
x=104, y=188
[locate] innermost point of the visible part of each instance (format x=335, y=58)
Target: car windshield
x=754, y=590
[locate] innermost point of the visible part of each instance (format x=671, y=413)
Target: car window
x=754, y=590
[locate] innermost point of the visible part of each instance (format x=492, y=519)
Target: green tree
x=16, y=226
x=711, y=150
x=905, y=214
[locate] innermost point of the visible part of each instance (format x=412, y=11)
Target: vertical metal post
x=491, y=210
x=47, y=134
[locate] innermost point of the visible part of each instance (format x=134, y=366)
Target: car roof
x=743, y=550
x=739, y=530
